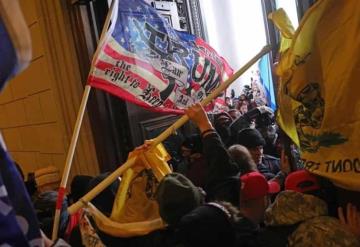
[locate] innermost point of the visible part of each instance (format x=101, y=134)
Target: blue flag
x=8, y=55
x=18, y=223
x=15, y=41
x=266, y=81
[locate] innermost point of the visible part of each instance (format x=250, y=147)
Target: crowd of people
x=263, y=203
x=234, y=187
x=237, y=183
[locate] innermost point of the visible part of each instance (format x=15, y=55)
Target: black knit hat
x=250, y=138
x=220, y=116
x=176, y=196
x=207, y=225
x=104, y=201
x=79, y=186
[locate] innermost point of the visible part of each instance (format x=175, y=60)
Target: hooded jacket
x=297, y=219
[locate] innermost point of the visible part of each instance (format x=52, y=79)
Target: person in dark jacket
x=254, y=142
x=272, y=168
x=191, y=221
x=211, y=224
x=222, y=122
x=194, y=222
x=223, y=174
x=79, y=186
x=222, y=180
x=194, y=162
x=299, y=216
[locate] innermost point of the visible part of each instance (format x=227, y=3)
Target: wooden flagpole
x=130, y=162
x=68, y=162
x=70, y=155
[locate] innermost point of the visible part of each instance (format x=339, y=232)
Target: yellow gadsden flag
x=319, y=86
x=135, y=211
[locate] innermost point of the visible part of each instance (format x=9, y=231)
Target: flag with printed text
x=319, y=90
x=142, y=59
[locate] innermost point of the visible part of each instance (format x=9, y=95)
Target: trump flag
x=142, y=59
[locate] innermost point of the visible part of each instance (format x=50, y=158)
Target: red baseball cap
x=254, y=185
x=301, y=181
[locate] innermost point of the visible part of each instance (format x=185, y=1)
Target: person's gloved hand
x=265, y=109
x=265, y=117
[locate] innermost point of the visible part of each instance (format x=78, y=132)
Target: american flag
x=142, y=59
x=18, y=223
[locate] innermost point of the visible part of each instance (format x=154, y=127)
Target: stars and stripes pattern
x=142, y=59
